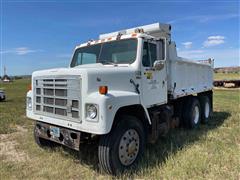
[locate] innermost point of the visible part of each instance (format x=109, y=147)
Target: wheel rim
x=129, y=147
x=196, y=114
x=207, y=110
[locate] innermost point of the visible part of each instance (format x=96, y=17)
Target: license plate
x=54, y=131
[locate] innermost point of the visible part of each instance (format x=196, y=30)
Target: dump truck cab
x=121, y=63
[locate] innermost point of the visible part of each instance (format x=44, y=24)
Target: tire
x=192, y=113
x=41, y=142
x=123, y=147
x=206, y=109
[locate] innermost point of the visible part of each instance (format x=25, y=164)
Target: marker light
x=134, y=35
x=29, y=102
x=29, y=87
x=103, y=90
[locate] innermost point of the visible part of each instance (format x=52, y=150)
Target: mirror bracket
x=159, y=64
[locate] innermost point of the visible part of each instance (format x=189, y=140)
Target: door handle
x=135, y=85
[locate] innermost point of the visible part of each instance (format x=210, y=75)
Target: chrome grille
x=58, y=97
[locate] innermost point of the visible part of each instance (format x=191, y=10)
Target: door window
x=161, y=49
x=145, y=57
x=152, y=53
x=149, y=54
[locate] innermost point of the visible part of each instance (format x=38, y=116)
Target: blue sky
x=42, y=34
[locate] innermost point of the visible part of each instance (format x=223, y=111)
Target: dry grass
x=210, y=152
x=226, y=76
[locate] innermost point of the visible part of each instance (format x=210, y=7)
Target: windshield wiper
x=108, y=62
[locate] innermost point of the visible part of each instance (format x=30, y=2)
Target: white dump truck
x=124, y=89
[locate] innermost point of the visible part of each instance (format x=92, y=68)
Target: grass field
x=224, y=76
x=210, y=152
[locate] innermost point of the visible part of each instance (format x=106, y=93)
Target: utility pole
x=5, y=70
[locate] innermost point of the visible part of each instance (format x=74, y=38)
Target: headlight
x=91, y=111
x=29, y=102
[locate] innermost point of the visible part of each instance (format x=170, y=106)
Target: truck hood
x=76, y=70
x=95, y=75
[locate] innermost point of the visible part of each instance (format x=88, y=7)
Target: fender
x=110, y=103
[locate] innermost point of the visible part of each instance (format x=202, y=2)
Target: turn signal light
x=29, y=87
x=103, y=90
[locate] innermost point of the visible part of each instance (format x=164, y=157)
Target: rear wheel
x=206, y=109
x=122, y=148
x=192, y=113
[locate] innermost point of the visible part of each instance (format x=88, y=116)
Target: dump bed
x=189, y=77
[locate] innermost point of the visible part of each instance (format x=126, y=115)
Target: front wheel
x=122, y=148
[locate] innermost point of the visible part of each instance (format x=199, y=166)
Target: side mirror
x=159, y=64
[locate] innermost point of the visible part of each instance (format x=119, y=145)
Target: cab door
x=153, y=82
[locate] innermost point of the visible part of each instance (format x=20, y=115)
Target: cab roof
x=151, y=31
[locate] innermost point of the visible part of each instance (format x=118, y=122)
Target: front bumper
x=66, y=137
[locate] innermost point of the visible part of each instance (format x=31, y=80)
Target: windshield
x=114, y=52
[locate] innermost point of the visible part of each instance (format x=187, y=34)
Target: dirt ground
x=9, y=144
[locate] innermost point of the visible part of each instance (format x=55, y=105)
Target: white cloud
x=20, y=51
x=23, y=50
x=187, y=45
x=214, y=41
